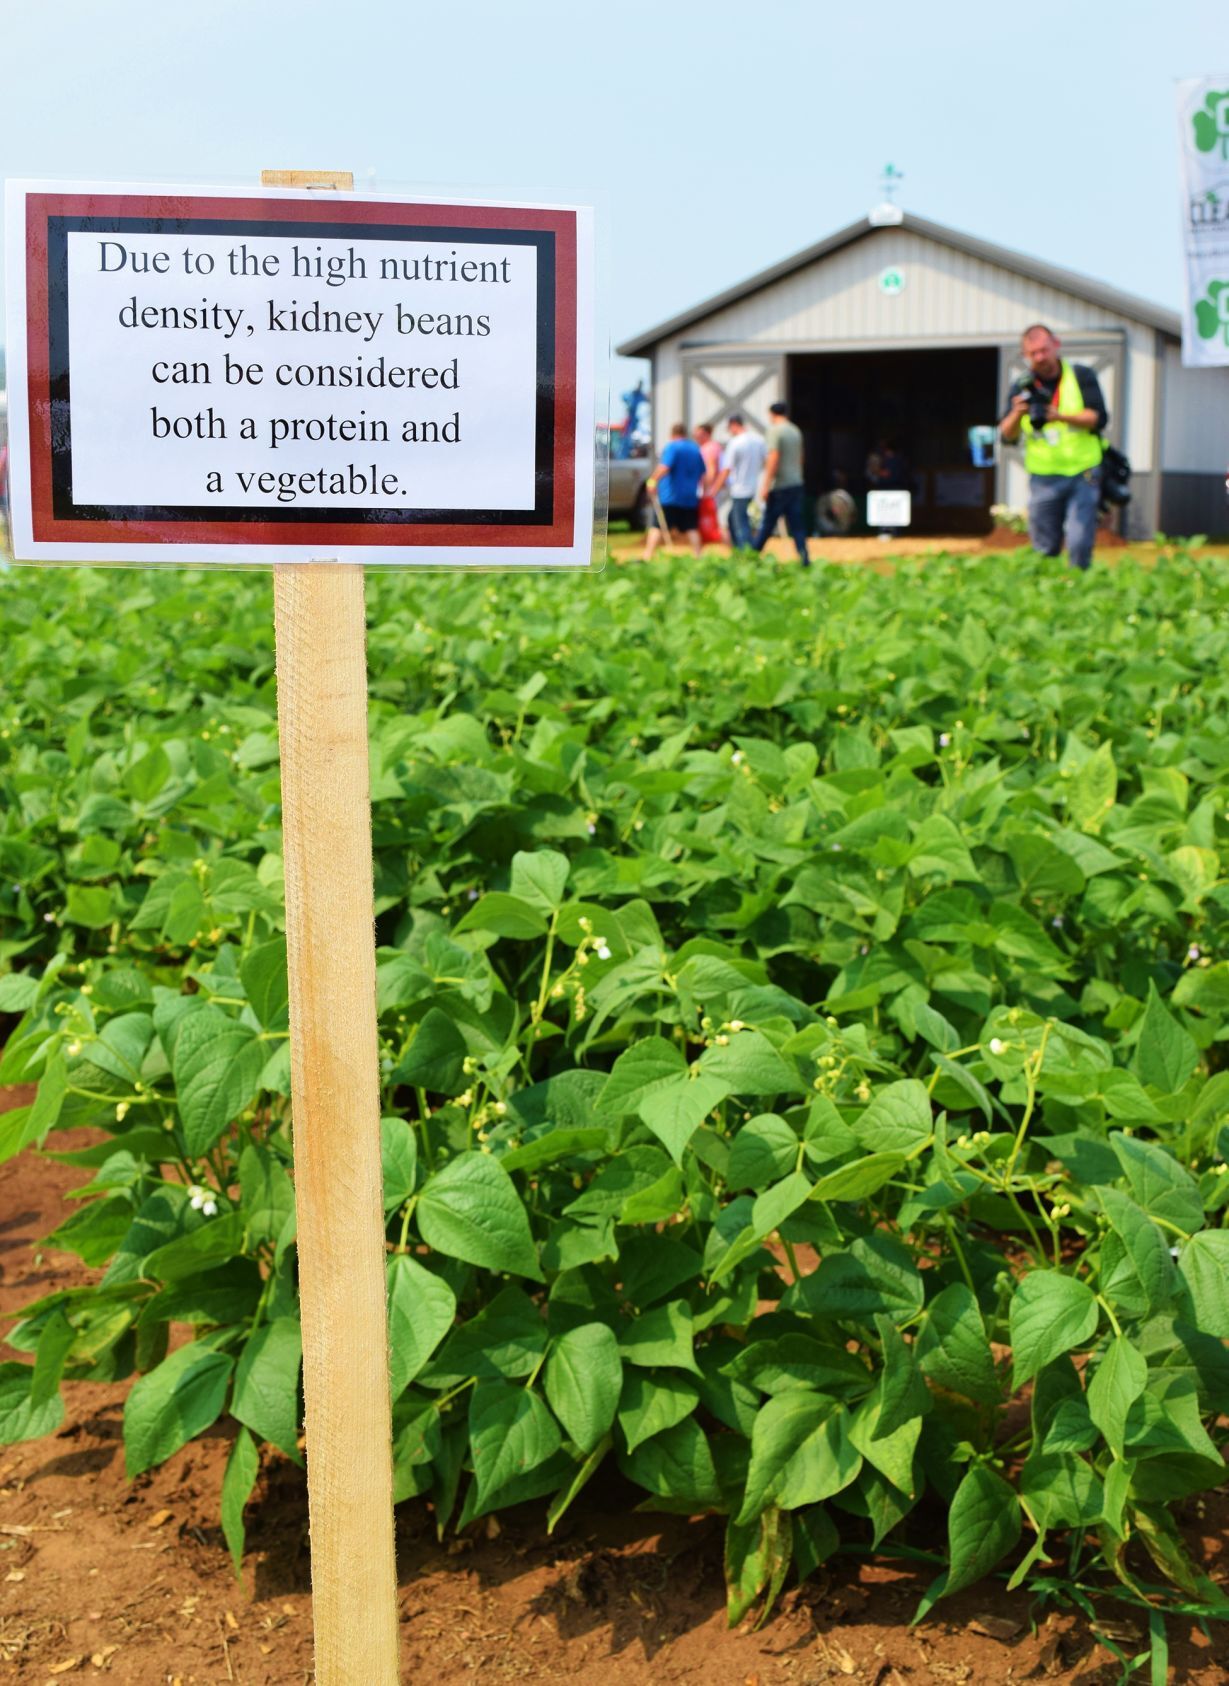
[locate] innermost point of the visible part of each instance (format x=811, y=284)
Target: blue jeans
x=740, y=523
x=1058, y=502
x=788, y=503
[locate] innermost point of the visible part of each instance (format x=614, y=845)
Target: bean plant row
x=803, y=1025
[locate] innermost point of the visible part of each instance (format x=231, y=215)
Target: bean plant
x=802, y=1047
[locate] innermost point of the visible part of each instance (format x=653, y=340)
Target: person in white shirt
x=741, y=466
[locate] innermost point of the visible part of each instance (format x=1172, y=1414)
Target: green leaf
x=674, y=1110
x=1061, y=1491
x=511, y=1433
x=653, y=1402
x=421, y=1310
x=765, y=1149
x=897, y=1120
x=892, y=1454
x=1050, y=1314
x=20, y=1417
x=504, y=916
x=266, y=1396
x=661, y=1336
x=1091, y=794
x=1117, y=1383
x=952, y=1348
x=645, y=1066
x=266, y=984
x=860, y=1179
x=506, y=1339
x=815, y=1539
x=1165, y=1054
x=983, y=1525
x=750, y=1065
x=173, y=1404
x=54, y=1345
x=470, y=1210
x=267, y=1191
x=676, y=1466
x=757, y=1556
x=216, y=1241
x=1162, y=1187
x=876, y=1274
x=583, y=1380
x=90, y=905
x=782, y=1424
x=901, y=1394
x=217, y=1065
x=1204, y=1268
x=539, y=879
x=824, y=1464
x=435, y=1059
x=1146, y=1245
x=398, y=1161
x=242, y=1468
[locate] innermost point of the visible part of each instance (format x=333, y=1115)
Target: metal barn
x=900, y=328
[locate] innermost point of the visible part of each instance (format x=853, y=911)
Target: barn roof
x=1049, y=275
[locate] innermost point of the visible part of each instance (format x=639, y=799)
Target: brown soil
x=629, y=547
x=102, y=1578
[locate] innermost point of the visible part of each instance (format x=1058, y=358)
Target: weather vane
x=887, y=211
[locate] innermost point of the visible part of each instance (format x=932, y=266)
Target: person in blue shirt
x=675, y=485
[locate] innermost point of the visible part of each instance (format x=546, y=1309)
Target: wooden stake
x=326, y=821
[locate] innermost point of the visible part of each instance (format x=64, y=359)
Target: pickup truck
x=629, y=500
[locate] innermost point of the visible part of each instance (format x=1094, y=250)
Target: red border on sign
x=322, y=535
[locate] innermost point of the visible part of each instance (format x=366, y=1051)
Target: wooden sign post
x=317, y=383
x=321, y=640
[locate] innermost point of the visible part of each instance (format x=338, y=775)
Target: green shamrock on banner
x=1212, y=124
x=1212, y=313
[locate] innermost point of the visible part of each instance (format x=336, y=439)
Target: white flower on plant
x=1193, y=952
x=49, y=918
x=836, y=848
x=736, y=759
x=944, y=739
x=603, y=951
x=1057, y=922
x=592, y=829
x=202, y=1200
x=471, y=895
x=997, y=1045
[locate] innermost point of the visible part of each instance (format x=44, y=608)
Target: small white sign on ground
x=889, y=509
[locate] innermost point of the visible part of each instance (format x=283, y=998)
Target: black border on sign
x=58, y=230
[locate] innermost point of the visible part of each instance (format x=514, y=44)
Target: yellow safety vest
x=1058, y=448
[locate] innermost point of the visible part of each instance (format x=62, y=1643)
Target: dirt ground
x=130, y=1582
x=628, y=547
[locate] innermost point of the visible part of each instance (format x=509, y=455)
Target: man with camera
x=1060, y=413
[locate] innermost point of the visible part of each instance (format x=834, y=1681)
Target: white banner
x=1203, y=119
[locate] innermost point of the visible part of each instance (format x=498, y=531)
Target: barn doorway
x=923, y=404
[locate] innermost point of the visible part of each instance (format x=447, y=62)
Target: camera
x=1038, y=404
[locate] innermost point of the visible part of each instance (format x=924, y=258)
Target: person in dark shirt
x=1060, y=413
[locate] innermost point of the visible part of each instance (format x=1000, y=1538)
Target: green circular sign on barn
x=891, y=281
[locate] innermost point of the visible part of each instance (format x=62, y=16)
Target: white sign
x=889, y=509
x=286, y=375
x=892, y=281
x=1203, y=117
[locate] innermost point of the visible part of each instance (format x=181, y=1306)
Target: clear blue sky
x=717, y=138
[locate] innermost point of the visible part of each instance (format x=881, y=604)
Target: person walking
x=1060, y=412
x=742, y=464
x=678, y=475
x=781, y=489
